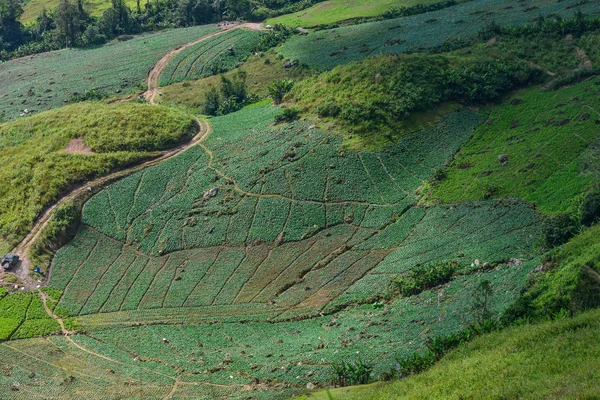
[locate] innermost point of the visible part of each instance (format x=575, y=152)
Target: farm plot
x=228, y=359
x=539, y=145
x=274, y=222
x=48, y=80
x=22, y=315
x=328, y=48
x=210, y=57
x=250, y=182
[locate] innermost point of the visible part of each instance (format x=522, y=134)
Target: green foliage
x=289, y=114
x=277, y=35
x=35, y=161
x=568, y=280
x=356, y=372
x=61, y=228
x=481, y=308
x=558, y=229
x=382, y=95
x=589, y=210
x=423, y=277
x=230, y=97
x=532, y=134
x=279, y=88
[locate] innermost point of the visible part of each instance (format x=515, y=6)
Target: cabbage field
x=211, y=57
x=49, y=80
x=328, y=48
x=183, y=269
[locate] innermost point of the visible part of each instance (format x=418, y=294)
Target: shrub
x=358, y=372
x=279, y=88
x=558, y=229
x=589, y=209
x=288, y=115
x=425, y=277
x=481, y=307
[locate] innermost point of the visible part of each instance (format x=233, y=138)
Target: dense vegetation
x=68, y=23
x=44, y=155
x=382, y=94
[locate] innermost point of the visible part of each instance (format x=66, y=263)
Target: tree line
x=71, y=25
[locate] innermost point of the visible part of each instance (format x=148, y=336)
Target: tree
x=11, y=30
x=481, y=307
x=235, y=9
x=68, y=25
x=279, y=88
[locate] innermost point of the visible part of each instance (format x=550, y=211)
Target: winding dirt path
x=22, y=249
x=154, y=75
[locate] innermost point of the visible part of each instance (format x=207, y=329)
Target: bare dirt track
x=154, y=75
x=22, y=249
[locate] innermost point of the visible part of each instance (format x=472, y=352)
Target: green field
x=49, y=80
x=44, y=155
x=299, y=226
x=211, y=57
x=33, y=8
x=332, y=11
x=261, y=71
x=328, y=48
x=550, y=139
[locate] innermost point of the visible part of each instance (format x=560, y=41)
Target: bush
x=288, y=115
x=558, y=229
x=358, y=372
x=589, y=210
x=425, y=277
x=279, y=88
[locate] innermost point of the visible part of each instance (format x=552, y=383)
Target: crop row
x=210, y=57
x=233, y=355
x=297, y=182
x=329, y=48
x=47, y=80
x=22, y=315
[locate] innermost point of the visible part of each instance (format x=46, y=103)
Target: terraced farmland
x=328, y=48
x=210, y=57
x=48, y=80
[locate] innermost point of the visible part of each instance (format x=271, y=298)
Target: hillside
x=237, y=211
x=551, y=359
x=45, y=155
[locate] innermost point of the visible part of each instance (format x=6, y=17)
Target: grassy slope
x=33, y=8
x=190, y=95
x=550, y=138
x=559, y=359
x=36, y=168
x=333, y=11
x=48, y=80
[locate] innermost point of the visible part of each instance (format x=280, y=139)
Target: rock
x=514, y=124
x=486, y=265
x=541, y=268
x=584, y=117
x=503, y=158
x=211, y=193
x=311, y=386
